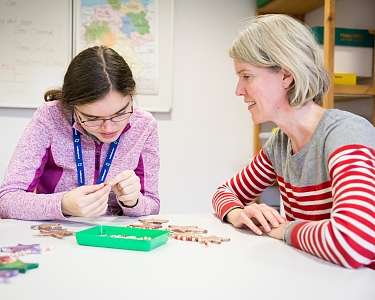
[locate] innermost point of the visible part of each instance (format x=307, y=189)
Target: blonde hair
x=281, y=42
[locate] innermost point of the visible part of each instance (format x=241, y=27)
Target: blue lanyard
x=79, y=159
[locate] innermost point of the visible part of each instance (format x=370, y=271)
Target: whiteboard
x=36, y=48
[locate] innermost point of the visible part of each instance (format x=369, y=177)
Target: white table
x=247, y=267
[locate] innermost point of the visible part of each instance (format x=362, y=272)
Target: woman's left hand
x=127, y=187
x=277, y=232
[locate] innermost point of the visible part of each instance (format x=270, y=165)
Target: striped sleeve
x=245, y=186
x=348, y=237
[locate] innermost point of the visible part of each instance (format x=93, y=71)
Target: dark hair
x=91, y=75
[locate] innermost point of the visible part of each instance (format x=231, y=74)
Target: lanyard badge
x=79, y=159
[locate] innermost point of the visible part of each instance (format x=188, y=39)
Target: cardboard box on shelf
x=353, y=50
x=345, y=78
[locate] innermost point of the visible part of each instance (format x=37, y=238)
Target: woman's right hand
x=86, y=201
x=255, y=217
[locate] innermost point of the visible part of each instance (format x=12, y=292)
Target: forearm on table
x=31, y=206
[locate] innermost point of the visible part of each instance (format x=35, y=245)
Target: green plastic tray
x=93, y=237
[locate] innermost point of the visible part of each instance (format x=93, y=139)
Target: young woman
x=88, y=151
x=323, y=160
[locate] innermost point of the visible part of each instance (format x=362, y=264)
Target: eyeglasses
x=98, y=122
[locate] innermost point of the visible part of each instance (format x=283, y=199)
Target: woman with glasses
x=323, y=160
x=88, y=151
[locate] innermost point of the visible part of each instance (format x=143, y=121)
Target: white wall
x=207, y=136
x=12, y=123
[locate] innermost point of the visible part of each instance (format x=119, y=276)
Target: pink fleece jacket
x=43, y=165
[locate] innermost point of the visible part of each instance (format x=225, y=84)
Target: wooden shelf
x=290, y=7
x=354, y=90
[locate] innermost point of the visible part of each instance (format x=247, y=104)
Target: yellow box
x=345, y=78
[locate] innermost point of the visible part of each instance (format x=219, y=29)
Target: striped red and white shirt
x=327, y=189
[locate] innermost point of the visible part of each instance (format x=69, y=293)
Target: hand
x=127, y=187
x=256, y=217
x=86, y=201
x=278, y=232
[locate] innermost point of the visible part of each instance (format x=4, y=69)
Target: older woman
x=322, y=159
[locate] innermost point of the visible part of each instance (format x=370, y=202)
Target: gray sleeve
x=350, y=131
